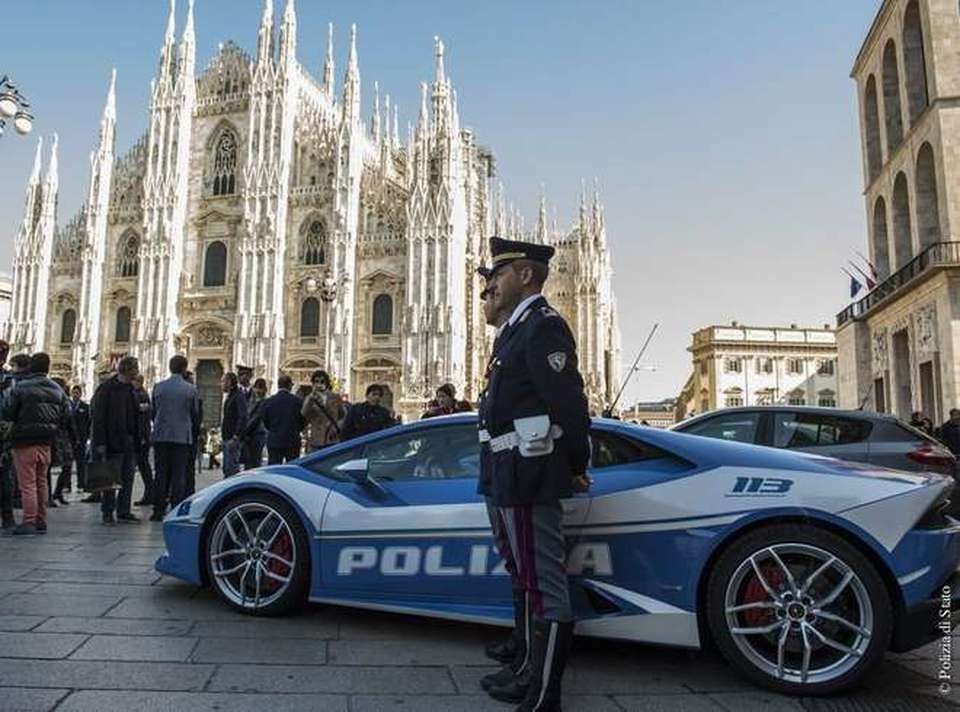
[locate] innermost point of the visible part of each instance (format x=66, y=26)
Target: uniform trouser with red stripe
x=535, y=536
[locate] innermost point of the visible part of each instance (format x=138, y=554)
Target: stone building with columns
x=262, y=220
x=739, y=365
x=899, y=346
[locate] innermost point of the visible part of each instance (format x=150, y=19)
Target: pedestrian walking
x=232, y=424
x=281, y=416
x=950, y=432
x=324, y=411
x=369, y=416
x=144, y=440
x=115, y=432
x=255, y=433
x=199, y=442
x=176, y=417
x=38, y=408
x=534, y=426
x=7, y=520
x=77, y=457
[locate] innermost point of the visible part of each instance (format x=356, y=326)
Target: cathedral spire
x=375, y=119
x=423, y=125
x=110, y=108
x=351, y=82
x=37, y=163
x=168, y=54
x=500, y=214
x=265, y=34
x=188, y=44
x=328, y=63
x=542, y=217
x=395, y=139
x=288, y=33
x=438, y=51
x=52, y=179
x=583, y=208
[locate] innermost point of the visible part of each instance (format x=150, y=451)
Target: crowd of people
x=46, y=424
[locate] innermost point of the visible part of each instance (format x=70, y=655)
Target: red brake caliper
x=754, y=592
x=283, y=548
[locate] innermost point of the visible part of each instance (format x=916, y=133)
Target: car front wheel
x=798, y=609
x=257, y=555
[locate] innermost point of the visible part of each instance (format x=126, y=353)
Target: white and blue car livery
x=802, y=570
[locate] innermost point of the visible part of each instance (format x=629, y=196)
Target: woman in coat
x=324, y=411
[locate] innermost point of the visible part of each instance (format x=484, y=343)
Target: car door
x=416, y=531
x=822, y=434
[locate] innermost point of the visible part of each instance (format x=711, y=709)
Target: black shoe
x=24, y=530
x=91, y=498
x=61, y=499
x=156, y=517
x=8, y=523
x=510, y=683
x=128, y=518
x=108, y=520
x=503, y=651
x=143, y=503
x=51, y=503
x=41, y=527
x=551, y=648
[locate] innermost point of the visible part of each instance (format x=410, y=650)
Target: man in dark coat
x=950, y=432
x=534, y=426
x=115, y=435
x=232, y=424
x=367, y=417
x=145, y=421
x=39, y=410
x=281, y=417
x=80, y=412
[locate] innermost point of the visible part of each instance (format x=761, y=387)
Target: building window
x=827, y=402
x=128, y=262
x=310, y=318
x=215, y=265
x=68, y=325
x=225, y=164
x=796, y=399
x=383, y=314
x=122, y=330
x=765, y=397
x=825, y=367
x=794, y=366
x=733, y=401
x=732, y=365
x=764, y=365
x=314, y=238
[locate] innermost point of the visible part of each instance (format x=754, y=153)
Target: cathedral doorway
x=208, y=375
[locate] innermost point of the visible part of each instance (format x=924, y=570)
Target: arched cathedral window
x=128, y=262
x=310, y=318
x=215, y=265
x=122, y=329
x=383, y=314
x=225, y=164
x=313, y=241
x=68, y=325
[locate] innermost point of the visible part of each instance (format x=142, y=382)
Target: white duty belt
x=533, y=436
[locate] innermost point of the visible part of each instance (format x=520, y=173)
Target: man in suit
x=281, y=415
x=534, y=426
x=176, y=414
x=144, y=417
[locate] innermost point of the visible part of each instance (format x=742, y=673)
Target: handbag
x=103, y=474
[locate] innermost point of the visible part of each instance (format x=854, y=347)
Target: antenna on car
x=608, y=412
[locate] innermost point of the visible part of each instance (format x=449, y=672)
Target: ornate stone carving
x=926, y=329
x=209, y=335
x=880, y=351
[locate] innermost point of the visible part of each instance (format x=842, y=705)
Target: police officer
x=512, y=651
x=534, y=425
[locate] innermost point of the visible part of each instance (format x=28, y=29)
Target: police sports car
x=802, y=570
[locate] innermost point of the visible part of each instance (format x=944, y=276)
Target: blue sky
x=724, y=135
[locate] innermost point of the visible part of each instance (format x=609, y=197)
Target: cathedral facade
x=261, y=220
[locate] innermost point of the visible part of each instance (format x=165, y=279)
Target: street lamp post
x=13, y=105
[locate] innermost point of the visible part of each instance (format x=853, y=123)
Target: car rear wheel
x=257, y=555
x=798, y=609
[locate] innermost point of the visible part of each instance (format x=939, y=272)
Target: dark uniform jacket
x=533, y=371
x=39, y=411
x=144, y=415
x=81, y=421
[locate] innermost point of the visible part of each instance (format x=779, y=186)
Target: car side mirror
x=356, y=470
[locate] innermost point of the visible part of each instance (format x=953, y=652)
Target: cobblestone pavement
x=87, y=624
